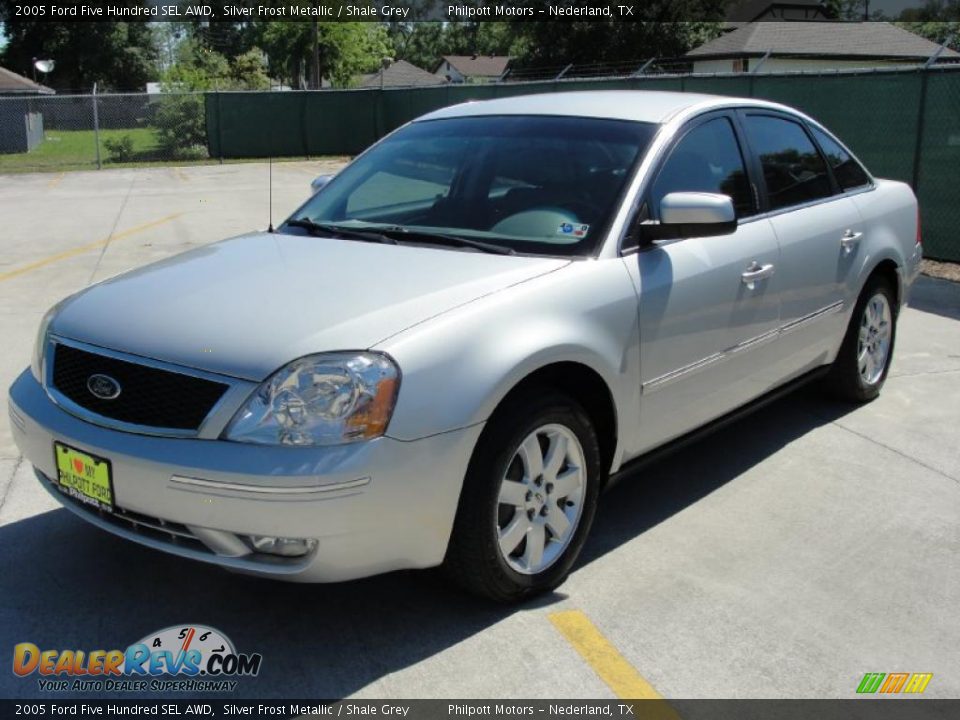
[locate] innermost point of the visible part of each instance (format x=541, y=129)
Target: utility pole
x=315, y=61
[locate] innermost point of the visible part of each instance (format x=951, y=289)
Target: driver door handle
x=755, y=272
x=850, y=239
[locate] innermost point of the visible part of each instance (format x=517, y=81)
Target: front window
x=707, y=159
x=531, y=184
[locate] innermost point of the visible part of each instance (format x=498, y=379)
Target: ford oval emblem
x=103, y=387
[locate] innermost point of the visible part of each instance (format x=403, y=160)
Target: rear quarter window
x=848, y=172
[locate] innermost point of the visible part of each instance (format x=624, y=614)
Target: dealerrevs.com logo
x=185, y=658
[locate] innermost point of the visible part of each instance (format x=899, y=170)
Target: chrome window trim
x=674, y=126
x=818, y=201
x=749, y=344
x=237, y=391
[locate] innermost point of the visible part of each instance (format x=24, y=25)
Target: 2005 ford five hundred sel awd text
x=444, y=354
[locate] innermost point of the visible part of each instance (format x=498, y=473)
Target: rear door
x=819, y=230
x=706, y=314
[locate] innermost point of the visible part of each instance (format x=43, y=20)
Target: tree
x=608, y=41
x=226, y=37
x=180, y=116
x=424, y=43
x=345, y=49
x=938, y=20
x=118, y=56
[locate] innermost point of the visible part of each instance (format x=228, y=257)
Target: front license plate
x=83, y=476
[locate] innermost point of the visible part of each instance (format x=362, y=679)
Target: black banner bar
x=389, y=10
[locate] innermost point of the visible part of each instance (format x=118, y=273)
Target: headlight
x=326, y=399
x=40, y=345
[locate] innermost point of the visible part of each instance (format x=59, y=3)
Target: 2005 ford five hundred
x=446, y=352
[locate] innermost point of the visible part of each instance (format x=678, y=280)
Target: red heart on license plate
x=78, y=466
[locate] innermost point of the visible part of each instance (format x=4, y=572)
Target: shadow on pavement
x=67, y=585
x=937, y=296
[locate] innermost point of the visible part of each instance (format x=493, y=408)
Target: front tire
x=861, y=366
x=528, y=500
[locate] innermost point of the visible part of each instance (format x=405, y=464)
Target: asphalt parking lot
x=782, y=557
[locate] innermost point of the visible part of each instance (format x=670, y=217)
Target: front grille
x=149, y=396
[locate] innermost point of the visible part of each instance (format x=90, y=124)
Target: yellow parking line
x=55, y=181
x=85, y=248
x=606, y=661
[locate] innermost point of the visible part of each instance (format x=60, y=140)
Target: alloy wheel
x=873, y=343
x=541, y=499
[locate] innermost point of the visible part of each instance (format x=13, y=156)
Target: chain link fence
x=903, y=123
x=83, y=132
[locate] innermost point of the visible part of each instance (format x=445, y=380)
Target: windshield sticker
x=573, y=230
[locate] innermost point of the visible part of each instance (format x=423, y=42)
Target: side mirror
x=691, y=214
x=319, y=182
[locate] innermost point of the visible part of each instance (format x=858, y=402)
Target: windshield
x=532, y=184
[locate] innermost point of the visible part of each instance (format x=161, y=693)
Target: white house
x=472, y=68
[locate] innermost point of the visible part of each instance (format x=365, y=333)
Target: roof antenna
x=270, y=210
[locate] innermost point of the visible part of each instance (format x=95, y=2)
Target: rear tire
x=860, y=368
x=528, y=499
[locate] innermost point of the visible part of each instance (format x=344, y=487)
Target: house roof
x=11, y=83
x=478, y=65
x=401, y=74
x=879, y=40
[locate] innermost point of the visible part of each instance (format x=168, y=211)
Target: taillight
x=919, y=234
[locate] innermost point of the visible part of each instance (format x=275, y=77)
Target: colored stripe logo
x=894, y=683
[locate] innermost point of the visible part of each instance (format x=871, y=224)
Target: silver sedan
x=446, y=353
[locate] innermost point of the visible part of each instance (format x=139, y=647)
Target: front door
x=708, y=307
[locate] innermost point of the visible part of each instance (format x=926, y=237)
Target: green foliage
x=608, y=41
x=120, y=148
x=181, y=123
x=118, y=56
x=424, y=43
x=345, y=50
x=933, y=13
x=248, y=71
x=553, y=44
x=197, y=67
x=938, y=20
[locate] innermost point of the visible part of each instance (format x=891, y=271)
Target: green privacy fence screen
x=904, y=124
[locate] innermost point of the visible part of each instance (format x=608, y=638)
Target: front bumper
x=373, y=507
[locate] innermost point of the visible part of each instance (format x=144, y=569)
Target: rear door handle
x=850, y=240
x=755, y=272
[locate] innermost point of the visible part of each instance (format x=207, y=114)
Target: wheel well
x=887, y=269
x=585, y=386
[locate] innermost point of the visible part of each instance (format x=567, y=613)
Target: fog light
x=285, y=547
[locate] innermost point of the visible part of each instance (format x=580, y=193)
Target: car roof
x=651, y=106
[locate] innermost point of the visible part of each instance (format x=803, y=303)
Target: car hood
x=246, y=306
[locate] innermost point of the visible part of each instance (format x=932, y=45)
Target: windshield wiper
x=399, y=232
x=341, y=231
